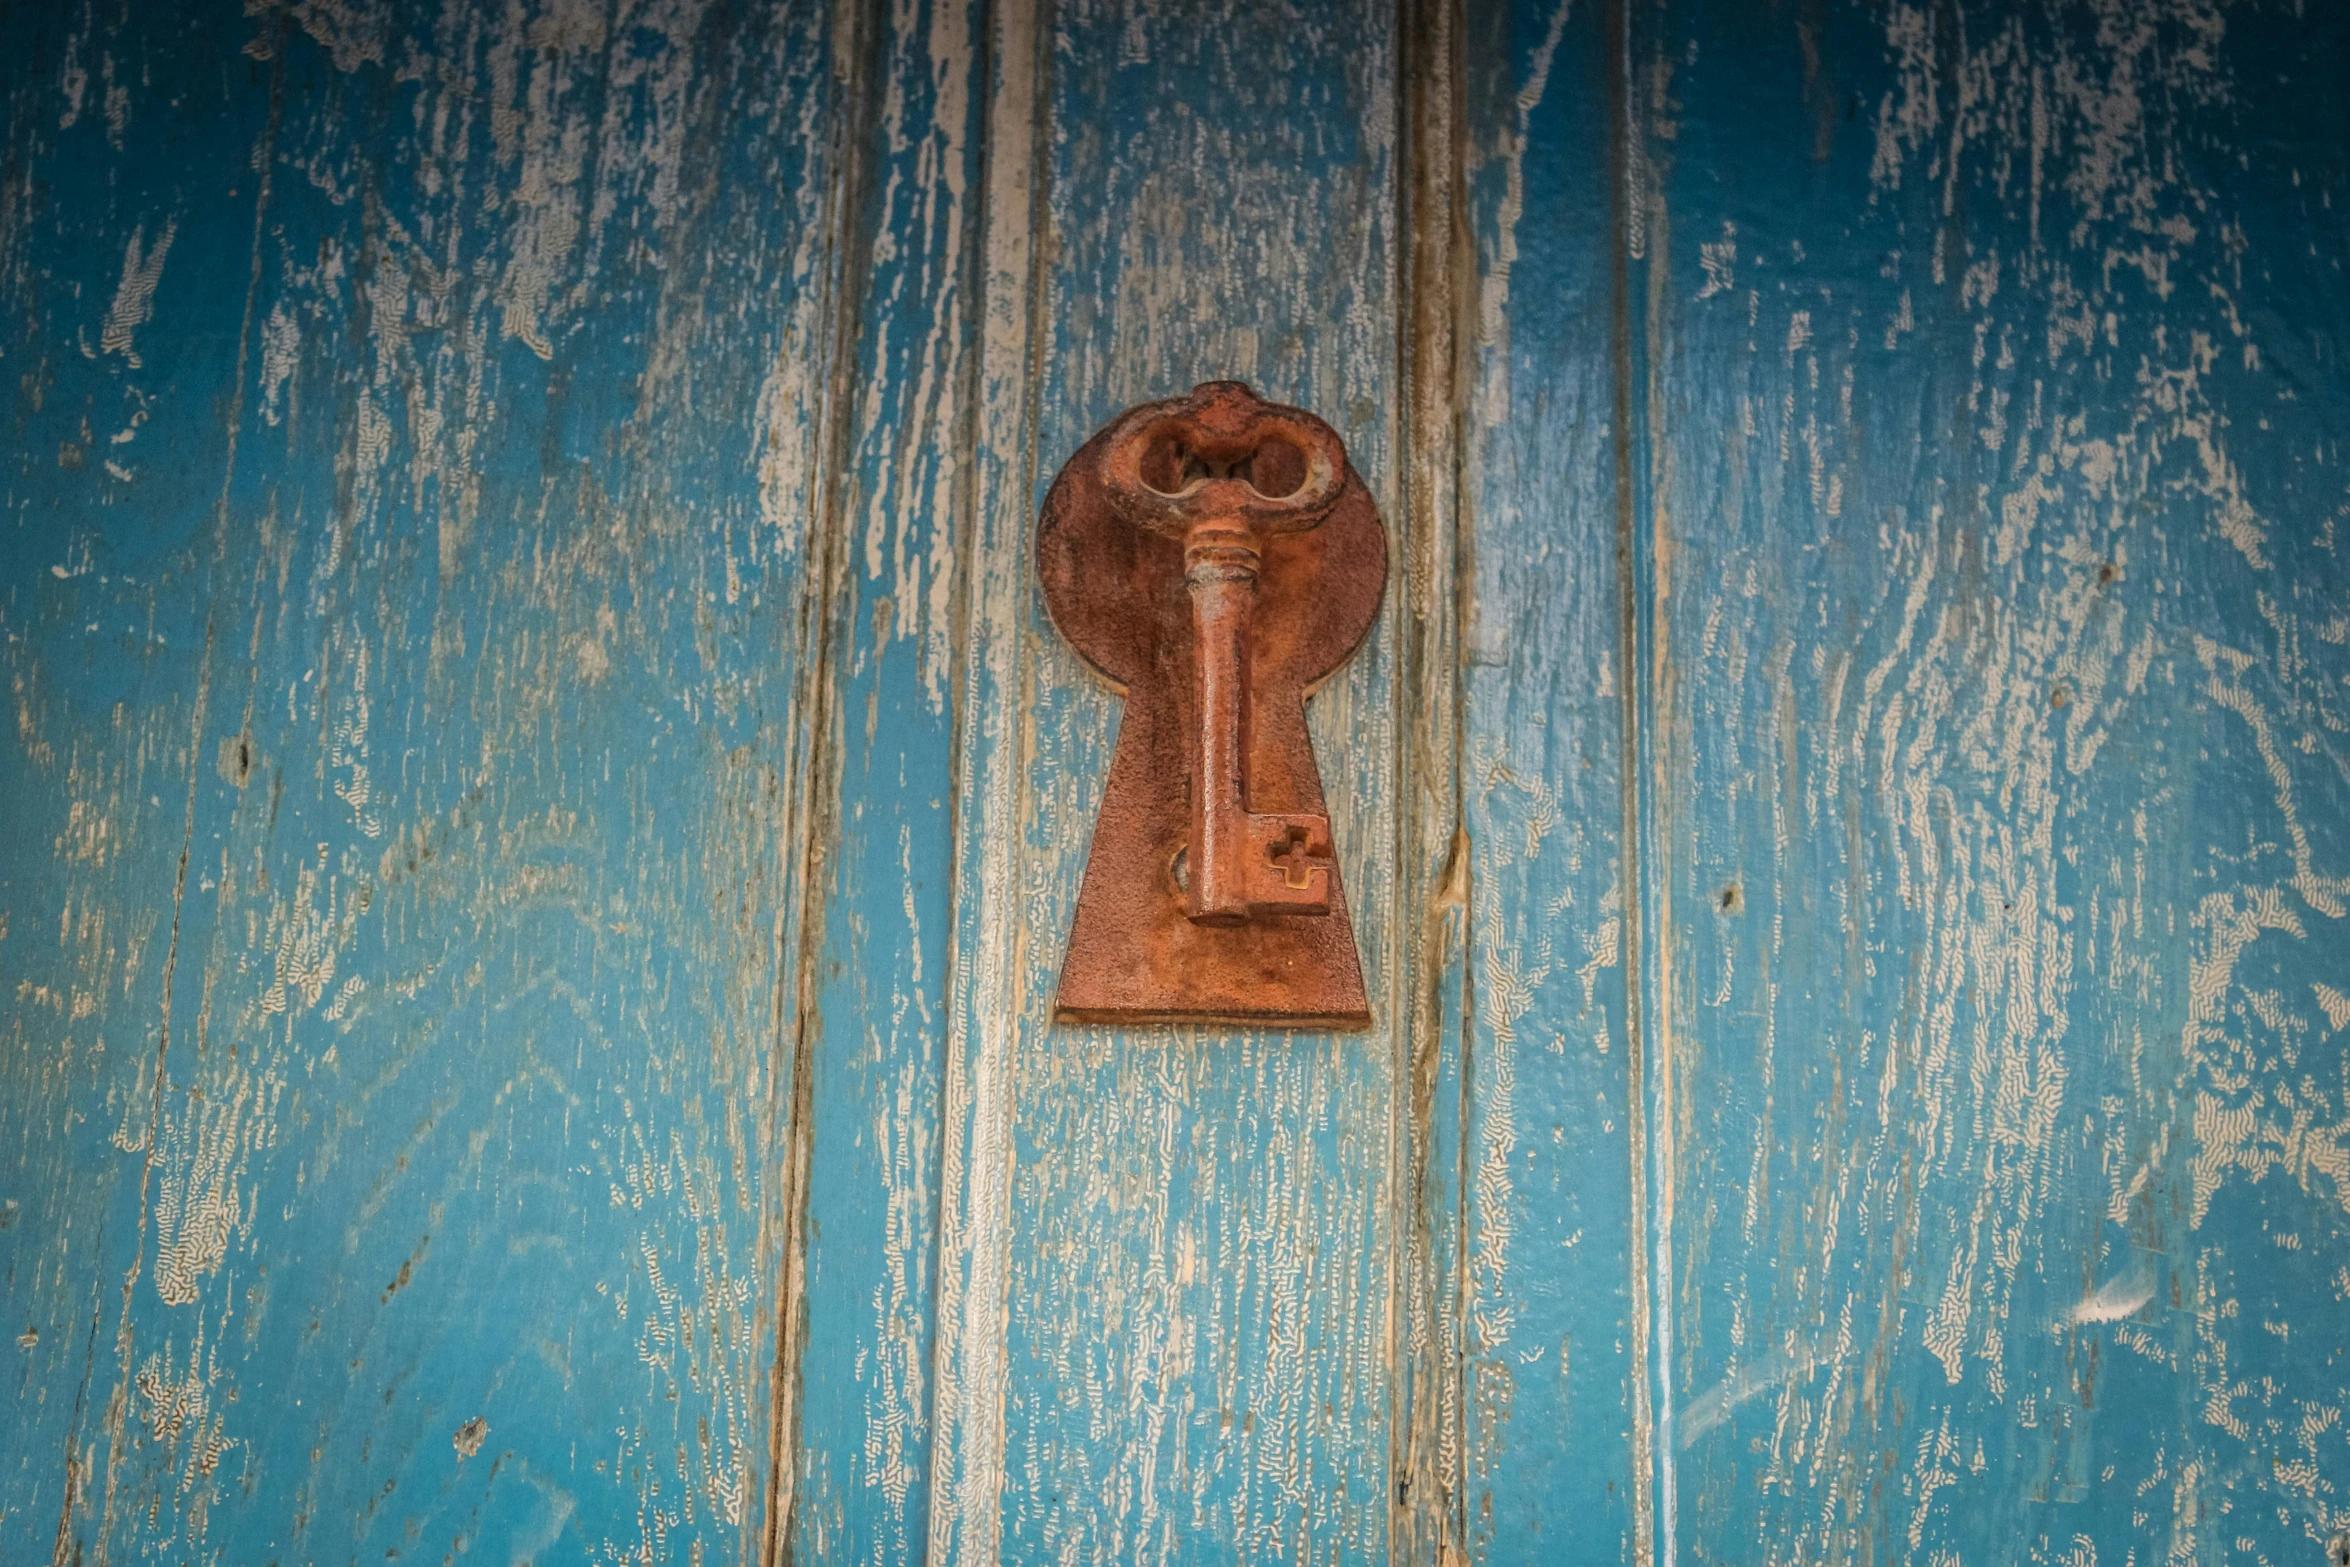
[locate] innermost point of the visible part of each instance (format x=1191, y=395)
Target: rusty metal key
x=1215, y=557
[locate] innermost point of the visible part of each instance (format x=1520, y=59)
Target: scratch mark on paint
x=1710, y=1408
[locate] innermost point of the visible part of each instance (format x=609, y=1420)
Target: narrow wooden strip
x=873, y=1037
x=975, y=1162
x=1434, y=855
x=1554, y=1175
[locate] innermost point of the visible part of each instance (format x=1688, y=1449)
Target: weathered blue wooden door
x=541, y=803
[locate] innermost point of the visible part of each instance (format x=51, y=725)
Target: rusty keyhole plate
x=1214, y=557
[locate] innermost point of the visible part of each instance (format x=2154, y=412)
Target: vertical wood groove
x=1432, y=985
x=856, y=39
x=1646, y=1078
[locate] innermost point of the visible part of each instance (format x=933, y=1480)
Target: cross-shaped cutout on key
x=1297, y=862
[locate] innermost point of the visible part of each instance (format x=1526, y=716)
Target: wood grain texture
x=1168, y=1255
x=1553, y=1352
x=1992, y=357
x=543, y=803
x=872, y=1039
x=411, y=417
x=1430, y=981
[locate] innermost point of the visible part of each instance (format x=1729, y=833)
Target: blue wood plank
x=487, y=493
x=108, y=479
x=424, y=581
x=1553, y=1347
x=1993, y=362
x=1167, y=1256
x=875, y=1037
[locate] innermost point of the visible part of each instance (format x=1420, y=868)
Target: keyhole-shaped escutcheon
x=1215, y=558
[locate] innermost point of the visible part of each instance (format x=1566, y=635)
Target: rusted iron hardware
x=1215, y=558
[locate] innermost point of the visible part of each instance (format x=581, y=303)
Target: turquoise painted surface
x=404, y=539
x=543, y=804
x=1551, y=1189
x=1168, y=1256
x=874, y=1039
x=1992, y=365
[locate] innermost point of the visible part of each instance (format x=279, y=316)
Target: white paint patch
x=1493, y=291
x=2116, y=1298
x=134, y=296
x=1719, y=261
x=911, y=453
x=351, y=34
x=201, y=1203
x=281, y=348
